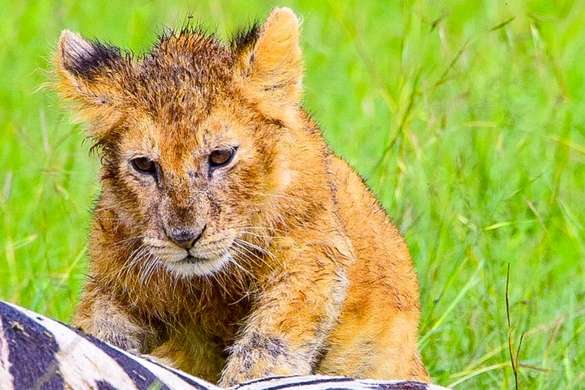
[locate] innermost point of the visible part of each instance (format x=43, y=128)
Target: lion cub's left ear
x=87, y=75
x=272, y=63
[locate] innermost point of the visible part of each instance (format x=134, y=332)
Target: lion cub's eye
x=221, y=157
x=144, y=165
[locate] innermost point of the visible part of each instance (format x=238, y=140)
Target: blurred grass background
x=466, y=117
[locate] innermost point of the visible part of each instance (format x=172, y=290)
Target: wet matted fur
x=228, y=239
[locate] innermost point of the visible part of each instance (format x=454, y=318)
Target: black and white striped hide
x=39, y=353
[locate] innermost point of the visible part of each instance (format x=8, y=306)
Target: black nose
x=185, y=237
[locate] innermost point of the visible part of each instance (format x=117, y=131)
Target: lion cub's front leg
x=294, y=313
x=99, y=315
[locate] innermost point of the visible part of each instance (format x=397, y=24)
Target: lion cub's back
x=375, y=239
x=378, y=323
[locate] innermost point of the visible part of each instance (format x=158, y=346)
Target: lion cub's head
x=190, y=134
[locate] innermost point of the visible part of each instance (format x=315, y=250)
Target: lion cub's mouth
x=192, y=259
x=191, y=265
x=200, y=261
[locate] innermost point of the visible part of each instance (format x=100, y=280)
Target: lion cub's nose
x=185, y=237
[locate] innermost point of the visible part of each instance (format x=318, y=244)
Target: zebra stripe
x=6, y=378
x=39, y=353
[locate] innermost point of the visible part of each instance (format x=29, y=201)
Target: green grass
x=466, y=117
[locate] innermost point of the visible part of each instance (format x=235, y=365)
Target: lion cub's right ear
x=87, y=74
x=271, y=63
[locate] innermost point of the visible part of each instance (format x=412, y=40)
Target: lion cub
x=228, y=239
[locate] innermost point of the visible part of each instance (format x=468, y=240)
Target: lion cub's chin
x=190, y=266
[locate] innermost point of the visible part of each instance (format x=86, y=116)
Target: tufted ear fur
x=87, y=74
x=270, y=59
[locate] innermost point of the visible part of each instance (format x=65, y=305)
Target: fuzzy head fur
x=171, y=112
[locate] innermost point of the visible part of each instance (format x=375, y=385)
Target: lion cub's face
x=190, y=136
x=192, y=187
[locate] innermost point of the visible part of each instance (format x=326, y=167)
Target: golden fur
x=297, y=269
